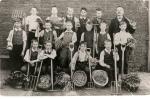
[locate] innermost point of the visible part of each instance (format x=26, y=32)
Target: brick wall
x=133, y=9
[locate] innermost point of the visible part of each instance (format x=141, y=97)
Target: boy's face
x=120, y=11
x=68, y=26
x=54, y=10
x=103, y=26
x=98, y=14
x=35, y=44
x=123, y=27
x=17, y=25
x=83, y=13
x=48, y=45
x=89, y=27
x=108, y=45
x=33, y=11
x=83, y=47
x=48, y=25
x=70, y=11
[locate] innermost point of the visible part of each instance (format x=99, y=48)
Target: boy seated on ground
x=46, y=55
x=31, y=57
x=80, y=60
x=106, y=61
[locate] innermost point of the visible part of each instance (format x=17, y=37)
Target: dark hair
x=120, y=7
x=83, y=8
x=107, y=41
x=54, y=6
x=122, y=23
x=83, y=42
x=48, y=41
x=98, y=9
x=34, y=40
x=89, y=22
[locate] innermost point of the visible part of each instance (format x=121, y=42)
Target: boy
x=17, y=39
x=106, y=61
x=48, y=34
x=47, y=54
x=80, y=60
x=55, y=20
x=67, y=37
x=121, y=40
x=98, y=19
x=32, y=25
x=70, y=17
x=120, y=17
x=31, y=57
x=82, y=20
x=102, y=36
x=88, y=36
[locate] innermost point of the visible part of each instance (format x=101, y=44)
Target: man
x=114, y=25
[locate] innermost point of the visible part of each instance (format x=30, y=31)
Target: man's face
x=70, y=11
x=98, y=14
x=123, y=27
x=69, y=26
x=83, y=13
x=108, y=45
x=120, y=11
x=54, y=10
x=89, y=27
x=48, y=25
x=48, y=45
x=35, y=45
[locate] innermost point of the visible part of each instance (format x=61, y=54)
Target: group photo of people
x=66, y=48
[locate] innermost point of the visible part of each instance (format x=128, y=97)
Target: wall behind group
x=134, y=9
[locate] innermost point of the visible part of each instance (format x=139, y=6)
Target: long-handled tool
x=115, y=85
x=71, y=48
x=90, y=83
x=123, y=47
x=39, y=72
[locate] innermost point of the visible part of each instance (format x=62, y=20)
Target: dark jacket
x=114, y=27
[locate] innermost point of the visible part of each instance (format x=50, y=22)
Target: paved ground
x=144, y=89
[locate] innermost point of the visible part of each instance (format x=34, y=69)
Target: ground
x=144, y=89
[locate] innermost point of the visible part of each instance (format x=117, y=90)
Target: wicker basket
x=79, y=78
x=100, y=78
x=61, y=79
x=58, y=44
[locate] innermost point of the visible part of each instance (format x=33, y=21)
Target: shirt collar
x=70, y=16
x=34, y=50
x=68, y=31
x=107, y=51
x=17, y=29
x=48, y=30
x=81, y=17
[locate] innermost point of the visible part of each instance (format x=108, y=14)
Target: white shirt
x=122, y=37
x=52, y=55
x=32, y=21
x=10, y=36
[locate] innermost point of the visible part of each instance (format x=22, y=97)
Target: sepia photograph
x=74, y=47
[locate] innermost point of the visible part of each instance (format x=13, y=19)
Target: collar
x=68, y=31
x=48, y=50
x=34, y=50
x=81, y=17
x=107, y=51
x=53, y=15
x=18, y=29
x=70, y=16
x=48, y=30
